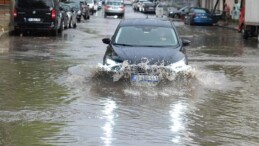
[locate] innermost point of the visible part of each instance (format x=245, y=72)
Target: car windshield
x=74, y=5
x=34, y=4
x=114, y=3
x=146, y=36
x=89, y=1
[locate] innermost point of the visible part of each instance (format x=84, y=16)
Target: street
x=49, y=96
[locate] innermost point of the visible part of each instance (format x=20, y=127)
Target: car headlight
x=79, y=12
x=110, y=62
x=112, y=65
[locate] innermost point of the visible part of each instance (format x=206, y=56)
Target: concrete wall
x=209, y=4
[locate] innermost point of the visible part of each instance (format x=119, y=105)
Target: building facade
x=5, y=2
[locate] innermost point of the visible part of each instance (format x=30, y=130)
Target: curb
x=233, y=27
x=4, y=34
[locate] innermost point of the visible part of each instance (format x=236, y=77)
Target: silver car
x=114, y=8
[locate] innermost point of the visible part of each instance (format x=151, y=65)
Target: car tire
x=122, y=16
x=16, y=32
x=88, y=17
x=176, y=16
x=74, y=26
x=105, y=15
x=190, y=22
x=70, y=24
x=78, y=20
x=84, y=17
x=54, y=32
x=61, y=28
x=245, y=34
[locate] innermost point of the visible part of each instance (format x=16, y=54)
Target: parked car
x=139, y=4
x=80, y=9
x=148, y=7
x=91, y=4
x=84, y=7
x=114, y=8
x=163, y=9
x=154, y=42
x=70, y=16
x=200, y=16
x=180, y=13
x=38, y=15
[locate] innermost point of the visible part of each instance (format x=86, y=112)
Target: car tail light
x=53, y=14
x=123, y=7
x=107, y=7
x=15, y=12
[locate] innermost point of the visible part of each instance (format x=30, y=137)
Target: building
x=218, y=5
x=4, y=2
x=210, y=4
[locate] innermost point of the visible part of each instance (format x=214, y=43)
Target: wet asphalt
x=49, y=96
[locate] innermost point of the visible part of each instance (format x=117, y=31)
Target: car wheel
x=16, y=32
x=74, y=26
x=61, y=28
x=190, y=21
x=84, y=17
x=88, y=17
x=54, y=32
x=70, y=24
x=78, y=20
x=176, y=16
x=105, y=15
x=245, y=34
x=122, y=16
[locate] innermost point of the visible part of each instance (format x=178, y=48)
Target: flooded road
x=48, y=95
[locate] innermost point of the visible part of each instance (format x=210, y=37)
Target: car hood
x=154, y=55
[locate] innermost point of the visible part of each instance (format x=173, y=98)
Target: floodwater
x=48, y=95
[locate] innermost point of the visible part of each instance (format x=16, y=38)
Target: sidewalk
x=4, y=20
x=231, y=25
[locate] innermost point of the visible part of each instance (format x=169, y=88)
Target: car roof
x=146, y=22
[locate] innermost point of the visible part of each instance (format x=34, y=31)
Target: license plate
x=34, y=19
x=203, y=16
x=144, y=78
x=151, y=8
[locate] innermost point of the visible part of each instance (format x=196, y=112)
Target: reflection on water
x=176, y=114
x=109, y=117
x=46, y=101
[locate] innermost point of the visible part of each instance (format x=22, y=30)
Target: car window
x=115, y=3
x=74, y=5
x=65, y=7
x=89, y=1
x=34, y=4
x=146, y=36
x=200, y=11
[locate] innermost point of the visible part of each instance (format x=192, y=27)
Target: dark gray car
x=150, y=41
x=38, y=15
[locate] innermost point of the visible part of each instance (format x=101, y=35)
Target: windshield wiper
x=123, y=44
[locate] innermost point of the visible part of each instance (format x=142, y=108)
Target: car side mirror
x=186, y=42
x=106, y=40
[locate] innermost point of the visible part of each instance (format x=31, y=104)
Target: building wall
x=5, y=2
x=209, y=4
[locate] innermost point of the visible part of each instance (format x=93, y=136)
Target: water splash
x=125, y=70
